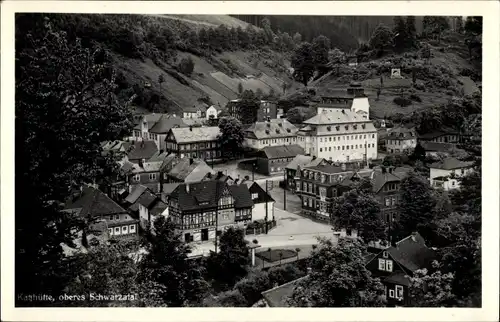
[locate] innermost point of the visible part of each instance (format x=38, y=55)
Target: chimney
x=391, y=169
x=384, y=169
x=414, y=236
x=141, y=162
x=187, y=188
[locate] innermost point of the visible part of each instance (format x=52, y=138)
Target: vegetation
x=231, y=137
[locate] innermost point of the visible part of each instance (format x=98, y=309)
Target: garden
x=274, y=255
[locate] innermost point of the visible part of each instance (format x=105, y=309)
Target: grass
x=274, y=255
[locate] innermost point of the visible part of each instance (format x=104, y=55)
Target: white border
x=491, y=86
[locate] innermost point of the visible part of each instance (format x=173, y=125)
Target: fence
x=259, y=228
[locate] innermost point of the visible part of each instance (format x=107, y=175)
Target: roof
x=115, y=145
x=435, y=134
x=147, y=200
x=401, y=133
x=278, y=296
x=195, y=108
x=190, y=170
x=336, y=116
x=438, y=146
x=398, y=277
x=451, y=164
x=195, y=134
x=379, y=179
x=326, y=168
x=275, y=128
x=254, y=187
x=142, y=150
x=158, y=208
x=193, y=122
x=204, y=194
x=165, y=123
x=135, y=193
x=94, y=202
x=303, y=161
x=168, y=188
x=412, y=253
x=151, y=119
x=241, y=195
x=282, y=151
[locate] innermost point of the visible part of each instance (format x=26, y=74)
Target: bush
x=401, y=101
x=232, y=298
x=252, y=286
x=186, y=66
x=284, y=274
x=415, y=98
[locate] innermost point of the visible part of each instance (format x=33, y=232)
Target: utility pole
x=216, y=217
x=284, y=189
x=267, y=194
x=253, y=171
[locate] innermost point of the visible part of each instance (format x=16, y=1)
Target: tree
x=381, y=38
x=167, y=265
x=337, y=57
x=303, y=62
x=65, y=107
x=431, y=290
x=320, y=48
x=435, y=25
x=359, y=210
x=266, y=25
x=252, y=287
x=459, y=25
x=161, y=80
x=259, y=94
x=297, y=39
x=231, y=262
x=418, y=153
x=411, y=32
x=294, y=116
x=474, y=25
x=186, y=66
x=248, y=107
x=400, y=33
x=243, y=38
x=240, y=88
x=416, y=205
x=338, y=278
x=231, y=136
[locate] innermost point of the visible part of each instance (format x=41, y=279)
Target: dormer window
x=347, y=127
x=280, y=124
x=329, y=128
x=385, y=254
x=337, y=127
x=268, y=125
x=267, y=132
x=311, y=175
x=363, y=126
x=355, y=127
x=288, y=130
x=277, y=131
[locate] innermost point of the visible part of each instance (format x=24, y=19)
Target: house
x=340, y=136
x=194, y=142
x=212, y=113
x=96, y=208
x=447, y=173
x=278, y=296
x=395, y=264
x=299, y=161
x=274, y=159
x=386, y=184
x=435, y=149
x=197, y=111
x=140, y=151
x=400, y=140
x=144, y=204
x=117, y=147
x=270, y=133
x=261, y=200
x=188, y=171
x=243, y=203
x=440, y=136
x=143, y=123
x=266, y=110
x=352, y=61
x=160, y=129
x=203, y=209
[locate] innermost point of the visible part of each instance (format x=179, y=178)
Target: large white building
x=339, y=135
x=275, y=132
x=359, y=105
x=446, y=174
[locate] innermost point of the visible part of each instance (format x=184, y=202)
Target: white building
x=359, y=105
x=401, y=140
x=339, y=135
x=445, y=174
x=195, y=112
x=275, y=132
x=211, y=112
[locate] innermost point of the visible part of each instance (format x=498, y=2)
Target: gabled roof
x=304, y=161
x=195, y=108
x=401, y=133
x=379, y=179
x=398, y=278
x=451, y=164
x=275, y=128
x=277, y=297
x=168, y=188
x=151, y=119
x=204, y=194
x=146, y=199
x=93, y=202
x=195, y=134
x=190, y=172
x=165, y=123
x=412, y=253
x=325, y=168
x=136, y=192
x=142, y=150
x=437, y=133
x=241, y=195
x=336, y=116
x=282, y=151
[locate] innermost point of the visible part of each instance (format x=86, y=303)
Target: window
x=125, y=230
x=305, y=201
x=137, y=178
x=255, y=195
x=391, y=294
x=117, y=230
x=152, y=176
x=373, y=136
x=117, y=217
x=385, y=254
x=330, y=148
x=388, y=265
x=399, y=292
x=132, y=228
x=393, y=201
x=110, y=231
x=111, y=217
x=320, y=149
x=387, y=202
x=381, y=264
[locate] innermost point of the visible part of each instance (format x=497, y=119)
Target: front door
x=187, y=237
x=204, y=234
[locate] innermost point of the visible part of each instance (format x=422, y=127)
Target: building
x=395, y=264
x=270, y=133
x=194, y=142
x=203, y=209
x=401, y=140
x=146, y=206
x=353, y=99
x=140, y=151
x=160, y=129
x=440, y=136
x=299, y=161
x=340, y=136
x=447, y=173
x=435, y=149
x=265, y=110
x=119, y=148
x=198, y=111
x=212, y=113
x=278, y=296
x=96, y=208
x=386, y=184
x=188, y=171
x=243, y=203
x=142, y=125
x=261, y=200
x=274, y=159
